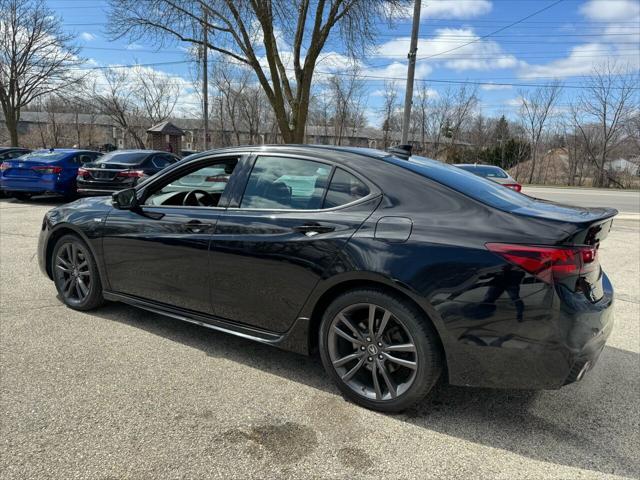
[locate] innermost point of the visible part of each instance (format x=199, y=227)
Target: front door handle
x=196, y=226
x=311, y=229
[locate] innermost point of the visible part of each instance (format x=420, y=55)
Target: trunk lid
x=573, y=263
x=26, y=168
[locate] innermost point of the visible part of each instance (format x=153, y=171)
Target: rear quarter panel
x=477, y=303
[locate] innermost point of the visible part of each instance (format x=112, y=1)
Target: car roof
x=301, y=149
x=137, y=150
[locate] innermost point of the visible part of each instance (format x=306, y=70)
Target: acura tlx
x=396, y=268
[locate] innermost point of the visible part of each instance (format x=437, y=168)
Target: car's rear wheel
x=22, y=196
x=380, y=350
x=75, y=274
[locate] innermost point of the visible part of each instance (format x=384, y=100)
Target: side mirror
x=125, y=199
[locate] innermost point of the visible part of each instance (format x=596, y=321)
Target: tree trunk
x=12, y=117
x=533, y=164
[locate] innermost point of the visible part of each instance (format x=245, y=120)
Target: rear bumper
x=558, y=340
x=31, y=186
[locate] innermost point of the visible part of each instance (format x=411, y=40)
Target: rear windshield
x=478, y=188
x=124, y=157
x=44, y=156
x=484, y=171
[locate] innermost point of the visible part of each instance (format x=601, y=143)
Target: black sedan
x=396, y=269
x=121, y=169
x=8, y=153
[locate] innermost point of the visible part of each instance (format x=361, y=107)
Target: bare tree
x=390, y=121
x=281, y=41
x=346, y=92
x=36, y=57
x=536, y=107
x=602, y=114
x=118, y=101
x=156, y=93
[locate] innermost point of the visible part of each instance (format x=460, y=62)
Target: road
x=121, y=393
x=626, y=202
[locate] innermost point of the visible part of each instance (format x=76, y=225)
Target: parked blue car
x=44, y=171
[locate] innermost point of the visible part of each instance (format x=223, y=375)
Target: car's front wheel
x=75, y=274
x=380, y=350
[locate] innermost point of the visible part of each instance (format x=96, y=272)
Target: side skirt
x=295, y=339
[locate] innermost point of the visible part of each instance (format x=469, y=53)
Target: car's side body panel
x=498, y=326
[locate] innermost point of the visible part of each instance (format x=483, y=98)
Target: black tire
x=405, y=327
x=22, y=196
x=75, y=274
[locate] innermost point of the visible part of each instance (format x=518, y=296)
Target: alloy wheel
x=372, y=351
x=73, y=272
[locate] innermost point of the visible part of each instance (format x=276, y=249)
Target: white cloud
x=452, y=47
x=611, y=10
x=396, y=70
x=492, y=86
x=134, y=46
x=455, y=8
x=87, y=37
x=449, y=9
x=581, y=61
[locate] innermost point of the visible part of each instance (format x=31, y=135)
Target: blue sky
x=565, y=41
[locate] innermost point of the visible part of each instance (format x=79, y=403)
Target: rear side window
x=162, y=161
x=478, y=188
x=124, y=157
x=286, y=183
x=344, y=188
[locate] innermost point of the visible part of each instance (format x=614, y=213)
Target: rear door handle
x=196, y=226
x=311, y=229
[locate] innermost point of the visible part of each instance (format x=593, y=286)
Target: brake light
x=83, y=172
x=514, y=186
x=130, y=174
x=4, y=166
x=549, y=263
x=47, y=170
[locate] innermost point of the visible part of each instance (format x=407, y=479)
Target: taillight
x=4, y=166
x=130, y=174
x=549, y=263
x=513, y=186
x=83, y=172
x=47, y=170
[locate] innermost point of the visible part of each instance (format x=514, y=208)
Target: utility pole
x=408, y=96
x=205, y=78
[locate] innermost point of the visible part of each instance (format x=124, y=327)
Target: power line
x=369, y=77
x=537, y=12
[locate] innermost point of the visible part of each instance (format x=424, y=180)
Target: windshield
x=124, y=157
x=478, y=188
x=484, y=171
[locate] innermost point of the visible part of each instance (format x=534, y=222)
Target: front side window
x=344, y=188
x=202, y=187
x=286, y=183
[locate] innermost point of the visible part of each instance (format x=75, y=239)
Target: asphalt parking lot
x=123, y=393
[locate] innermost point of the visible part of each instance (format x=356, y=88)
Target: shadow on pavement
x=40, y=200
x=589, y=425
